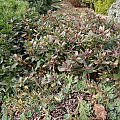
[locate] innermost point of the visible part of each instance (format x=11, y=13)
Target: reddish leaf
x=100, y=112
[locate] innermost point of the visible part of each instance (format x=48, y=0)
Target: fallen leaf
x=100, y=112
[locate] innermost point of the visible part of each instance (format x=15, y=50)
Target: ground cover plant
x=61, y=66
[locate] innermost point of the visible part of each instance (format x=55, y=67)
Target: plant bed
x=67, y=67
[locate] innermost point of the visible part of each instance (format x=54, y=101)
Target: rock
x=114, y=11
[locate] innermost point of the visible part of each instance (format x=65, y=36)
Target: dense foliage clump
x=60, y=66
x=42, y=6
x=103, y=6
x=10, y=10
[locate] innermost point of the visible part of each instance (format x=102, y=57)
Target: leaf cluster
x=42, y=6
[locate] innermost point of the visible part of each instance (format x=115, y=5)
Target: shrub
x=42, y=6
x=101, y=6
x=59, y=45
x=10, y=10
x=51, y=57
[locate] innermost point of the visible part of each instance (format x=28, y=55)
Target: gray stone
x=114, y=11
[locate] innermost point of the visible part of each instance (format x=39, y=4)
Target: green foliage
x=22, y=116
x=101, y=6
x=5, y=68
x=57, y=64
x=114, y=109
x=84, y=110
x=81, y=85
x=42, y=6
x=10, y=10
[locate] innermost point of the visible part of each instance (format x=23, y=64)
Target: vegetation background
x=58, y=63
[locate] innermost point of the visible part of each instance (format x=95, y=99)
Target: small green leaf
x=67, y=116
x=22, y=116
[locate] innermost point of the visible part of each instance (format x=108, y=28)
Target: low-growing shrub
x=58, y=55
x=42, y=6
x=58, y=64
x=10, y=10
